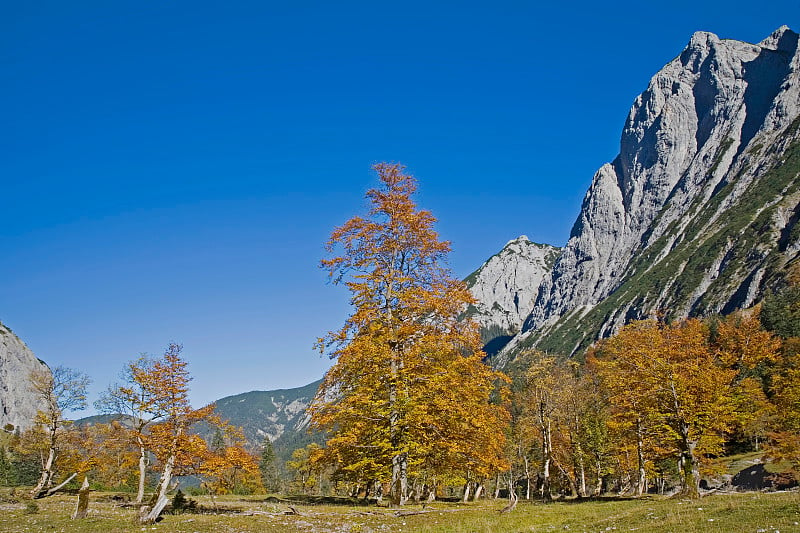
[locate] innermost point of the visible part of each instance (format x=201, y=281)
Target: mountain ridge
x=699, y=151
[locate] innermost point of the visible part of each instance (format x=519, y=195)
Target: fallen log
x=43, y=494
x=410, y=513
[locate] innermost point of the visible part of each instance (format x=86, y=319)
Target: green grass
x=746, y=512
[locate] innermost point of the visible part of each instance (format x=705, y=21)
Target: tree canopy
x=409, y=393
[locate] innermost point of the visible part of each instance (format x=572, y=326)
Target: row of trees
x=654, y=407
x=409, y=402
x=654, y=402
x=151, y=427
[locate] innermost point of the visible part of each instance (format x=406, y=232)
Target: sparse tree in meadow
x=58, y=390
x=167, y=380
x=141, y=400
x=306, y=467
x=409, y=390
x=230, y=468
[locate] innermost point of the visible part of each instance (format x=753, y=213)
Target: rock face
x=506, y=287
x=18, y=405
x=697, y=213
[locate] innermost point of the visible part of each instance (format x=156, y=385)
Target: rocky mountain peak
x=783, y=39
x=692, y=147
x=506, y=287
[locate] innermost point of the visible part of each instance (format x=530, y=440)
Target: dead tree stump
x=82, y=510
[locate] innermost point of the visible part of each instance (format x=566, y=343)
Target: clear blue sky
x=170, y=170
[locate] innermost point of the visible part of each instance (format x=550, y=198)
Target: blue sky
x=171, y=170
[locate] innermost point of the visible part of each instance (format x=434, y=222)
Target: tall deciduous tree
x=785, y=439
x=61, y=389
x=409, y=391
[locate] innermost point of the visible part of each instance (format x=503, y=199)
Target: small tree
x=62, y=389
x=267, y=467
x=168, y=380
x=230, y=469
x=305, y=467
x=141, y=400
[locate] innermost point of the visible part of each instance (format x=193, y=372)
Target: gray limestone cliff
x=697, y=213
x=505, y=288
x=18, y=404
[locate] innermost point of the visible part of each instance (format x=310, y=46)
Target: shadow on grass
x=590, y=499
x=303, y=499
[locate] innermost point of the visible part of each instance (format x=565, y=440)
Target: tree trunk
x=527, y=478
x=546, y=456
x=399, y=489
x=142, y=469
x=58, y=487
x=598, y=488
x=478, y=492
x=641, y=481
x=431, y=496
x=149, y=516
x=573, y=487
x=399, y=478
x=46, y=479
x=467, y=487
x=690, y=479
x=163, y=483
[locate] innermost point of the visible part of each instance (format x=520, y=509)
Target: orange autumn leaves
x=408, y=397
x=681, y=390
x=159, y=423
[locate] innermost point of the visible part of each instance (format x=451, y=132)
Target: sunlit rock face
x=18, y=404
x=696, y=213
x=505, y=287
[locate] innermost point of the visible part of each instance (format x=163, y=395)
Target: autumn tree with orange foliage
x=668, y=377
x=559, y=408
x=167, y=381
x=409, y=394
x=744, y=346
x=139, y=400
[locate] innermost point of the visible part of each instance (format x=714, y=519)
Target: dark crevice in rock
x=764, y=76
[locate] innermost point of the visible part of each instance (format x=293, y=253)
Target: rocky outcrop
x=506, y=286
x=18, y=404
x=697, y=212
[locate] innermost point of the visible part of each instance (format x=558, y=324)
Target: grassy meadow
x=756, y=512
